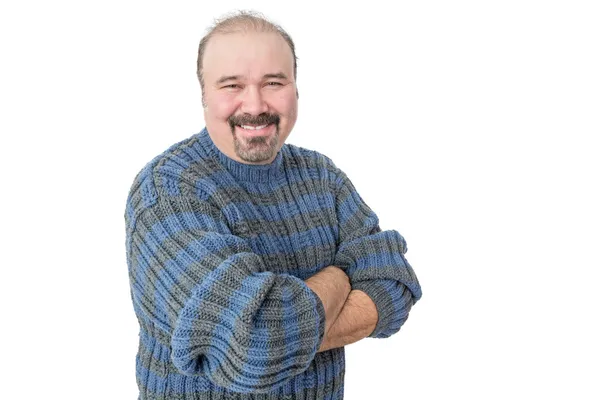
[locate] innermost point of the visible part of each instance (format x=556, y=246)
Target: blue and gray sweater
x=218, y=252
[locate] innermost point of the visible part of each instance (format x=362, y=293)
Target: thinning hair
x=241, y=22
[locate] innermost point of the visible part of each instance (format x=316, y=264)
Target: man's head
x=247, y=72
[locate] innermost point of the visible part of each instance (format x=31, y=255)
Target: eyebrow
x=227, y=78
x=278, y=75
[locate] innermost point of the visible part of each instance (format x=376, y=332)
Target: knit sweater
x=218, y=252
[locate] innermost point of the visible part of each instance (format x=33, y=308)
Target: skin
x=356, y=321
x=249, y=79
x=350, y=315
x=332, y=286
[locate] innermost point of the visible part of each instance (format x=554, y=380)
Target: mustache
x=247, y=119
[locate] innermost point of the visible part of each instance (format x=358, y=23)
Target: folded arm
x=332, y=286
x=244, y=328
x=356, y=321
x=351, y=314
x=373, y=259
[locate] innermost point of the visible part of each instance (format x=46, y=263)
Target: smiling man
x=252, y=262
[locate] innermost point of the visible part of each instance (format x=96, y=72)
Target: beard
x=256, y=149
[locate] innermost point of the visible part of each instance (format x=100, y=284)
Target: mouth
x=265, y=124
x=253, y=127
x=255, y=130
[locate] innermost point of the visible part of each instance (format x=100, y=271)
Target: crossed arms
x=243, y=327
x=227, y=316
x=350, y=314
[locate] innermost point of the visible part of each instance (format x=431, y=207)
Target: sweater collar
x=244, y=172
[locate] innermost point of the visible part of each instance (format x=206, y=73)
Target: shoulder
x=168, y=173
x=300, y=157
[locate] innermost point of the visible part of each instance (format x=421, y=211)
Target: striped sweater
x=218, y=252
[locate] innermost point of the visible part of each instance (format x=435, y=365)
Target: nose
x=253, y=102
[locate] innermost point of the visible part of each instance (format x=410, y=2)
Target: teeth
x=253, y=127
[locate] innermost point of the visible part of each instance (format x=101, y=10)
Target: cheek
x=221, y=107
x=293, y=110
x=287, y=106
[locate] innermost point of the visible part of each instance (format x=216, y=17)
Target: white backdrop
x=471, y=127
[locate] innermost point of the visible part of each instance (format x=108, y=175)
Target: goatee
x=256, y=149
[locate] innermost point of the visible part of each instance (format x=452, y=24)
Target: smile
x=256, y=130
x=253, y=127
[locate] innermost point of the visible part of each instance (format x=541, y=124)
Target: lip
x=267, y=130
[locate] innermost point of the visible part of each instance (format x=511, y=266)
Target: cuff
x=321, y=316
x=393, y=302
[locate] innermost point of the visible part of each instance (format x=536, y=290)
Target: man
x=253, y=262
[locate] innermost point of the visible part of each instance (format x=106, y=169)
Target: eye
x=274, y=83
x=231, y=86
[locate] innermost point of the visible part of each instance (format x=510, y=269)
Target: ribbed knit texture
x=218, y=252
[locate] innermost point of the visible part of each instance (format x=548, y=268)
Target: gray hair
x=241, y=21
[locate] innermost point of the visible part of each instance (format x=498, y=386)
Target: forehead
x=249, y=54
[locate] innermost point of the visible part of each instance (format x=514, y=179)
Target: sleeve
x=374, y=259
x=246, y=329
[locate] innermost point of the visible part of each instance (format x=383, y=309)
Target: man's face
x=250, y=94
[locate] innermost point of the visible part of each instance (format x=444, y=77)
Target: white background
x=471, y=127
